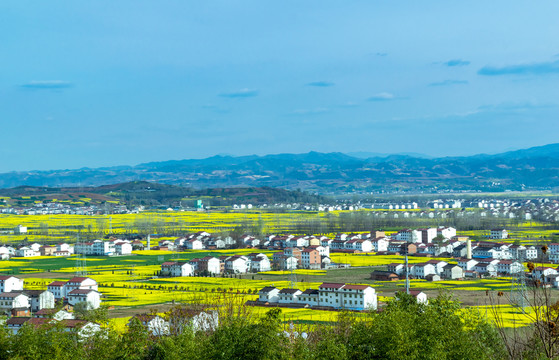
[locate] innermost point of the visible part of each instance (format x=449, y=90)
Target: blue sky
x=103, y=83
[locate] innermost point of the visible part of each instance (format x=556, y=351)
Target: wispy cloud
x=242, y=93
x=449, y=83
x=47, y=84
x=542, y=68
x=321, y=83
x=383, y=96
x=381, y=54
x=456, y=62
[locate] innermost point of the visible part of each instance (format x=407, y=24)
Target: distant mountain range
x=536, y=167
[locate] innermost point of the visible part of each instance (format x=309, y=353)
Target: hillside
x=534, y=168
x=155, y=194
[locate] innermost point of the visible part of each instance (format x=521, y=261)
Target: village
x=439, y=254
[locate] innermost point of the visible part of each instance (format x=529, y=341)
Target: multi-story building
x=347, y=296
x=176, y=269
x=10, y=283
x=13, y=300
x=310, y=259
x=499, y=234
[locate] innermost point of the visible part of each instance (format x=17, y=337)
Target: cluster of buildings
x=311, y=257
x=76, y=290
x=328, y=295
x=35, y=249
x=48, y=317
x=36, y=307
x=104, y=248
x=59, y=208
x=196, y=241
x=179, y=319
x=236, y=264
x=94, y=248
x=15, y=299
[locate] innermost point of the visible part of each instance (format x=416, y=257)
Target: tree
x=439, y=330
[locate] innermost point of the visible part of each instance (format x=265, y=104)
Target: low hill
x=155, y=194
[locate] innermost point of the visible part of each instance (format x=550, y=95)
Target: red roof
x=57, y=283
x=73, y=323
x=46, y=312
x=10, y=294
x=38, y=321
x=17, y=320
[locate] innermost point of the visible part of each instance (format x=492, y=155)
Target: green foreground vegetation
x=404, y=330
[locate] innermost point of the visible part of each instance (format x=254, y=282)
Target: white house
x=84, y=283
x=82, y=328
x=467, y=264
x=542, y=272
x=322, y=250
x=309, y=297
x=35, y=247
x=101, y=248
x=269, y=294
x=91, y=297
x=380, y=244
x=57, y=315
x=452, y=272
x=421, y=271
x=182, y=318
x=237, y=264
x=20, y=229
x=154, y=324
x=194, y=244
x=62, y=247
x=123, y=248
x=446, y=232
x=10, y=283
x=260, y=263
x=409, y=235
x=439, y=265
x=26, y=252
x=347, y=296
x=213, y=265
x=40, y=299
x=57, y=289
x=288, y=296
x=486, y=269
x=499, y=234
x=177, y=269
x=509, y=267
x=12, y=300
x=4, y=253
x=426, y=235
x=363, y=245
x=420, y=296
